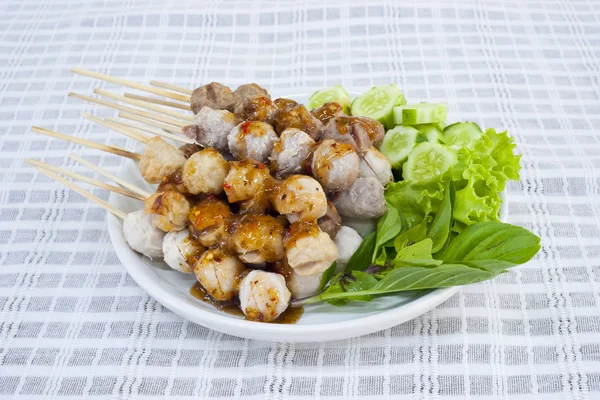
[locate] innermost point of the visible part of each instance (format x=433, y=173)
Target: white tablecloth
x=72, y=323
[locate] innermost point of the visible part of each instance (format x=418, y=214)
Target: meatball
x=169, y=210
x=290, y=152
x=284, y=104
x=260, y=109
x=375, y=130
x=298, y=285
x=360, y=132
x=159, y=159
x=327, y=112
x=364, y=199
x=211, y=128
x=142, y=236
x=219, y=273
x=263, y=296
x=246, y=179
x=173, y=182
x=252, y=139
x=209, y=221
x=180, y=251
x=188, y=149
x=258, y=238
x=300, y=197
x=309, y=250
x=246, y=93
x=375, y=165
x=205, y=172
x=299, y=118
x=335, y=165
x=347, y=242
x=331, y=222
x=213, y=95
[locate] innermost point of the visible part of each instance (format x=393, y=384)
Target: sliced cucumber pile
x=398, y=143
x=428, y=160
x=422, y=113
x=428, y=133
x=378, y=103
x=334, y=93
x=461, y=134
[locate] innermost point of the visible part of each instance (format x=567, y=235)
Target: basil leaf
x=382, y=257
x=418, y=251
x=413, y=235
x=362, y=257
x=440, y=227
x=327, y=276
x=388, y=226
x=356, y=281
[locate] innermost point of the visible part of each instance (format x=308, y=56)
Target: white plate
x=321, y=322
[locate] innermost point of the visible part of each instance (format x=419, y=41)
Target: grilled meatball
x=188, y=149
x=252, y=139
x=299, y=118
x=205, y=171
x=300, y=197
x=327, y=112
x=173, y=182
x=209, y=221
x=213, y=95
x=246, y=179
x=364, y=199
x=309, y=250
x=258, y=238
x=159, y=159
x=180, y=251
x=263, y=296
x=219, y=273
x=169, y=210
x=331, y=222
x=284, y=104
x=211, y=127
x=335, y=165
x=245, y=93
x=374, y=164
x=142, y=236
x=260, y=109
x=360, y=132
x=290, y=152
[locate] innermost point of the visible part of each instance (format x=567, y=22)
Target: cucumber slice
x=397, y=144
x=422, y=113
x=334, y=93
x=461, y=134
x=428, y=160
x=430, y=132
x=378, y=103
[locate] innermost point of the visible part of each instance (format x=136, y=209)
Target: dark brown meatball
x=331, y=222
x=189, y=149
x=299, y=118
x=245, y=93
x=213, y=95
x=260, y=109
x=283, y=104
x=360, y=132
x=328, y=111
x=173, y=182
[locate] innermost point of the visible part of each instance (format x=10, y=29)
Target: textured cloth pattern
x=73, y=323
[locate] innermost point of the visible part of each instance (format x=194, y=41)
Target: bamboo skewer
x=143, y=104
x=87, y=143
x=172, y=87
x=147, y=121
x=155, y=131
x=157, y=101
x=108, y=175
x=130, y=110
x=131, y=84
x=121, y=129
x=85, y=179
x=84, y=193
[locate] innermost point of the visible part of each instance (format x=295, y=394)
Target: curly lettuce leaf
x=415, y=200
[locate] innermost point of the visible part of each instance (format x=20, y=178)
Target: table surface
x=73, y=323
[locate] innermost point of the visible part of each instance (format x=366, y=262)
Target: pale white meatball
x=252, y=139
x=375, y=165
x=180, y=250
x=308, y=249
x=290, y=152
x=168, y=210
x=347, y=242
x=219, y=273
x=212, y=127
x=205, y=172
x=159, y=160
x=142, y=236
x=263, y=295
x=300, y=197
x=246, y=179
x=335, y=165
x=303, y=286
x=258, y=238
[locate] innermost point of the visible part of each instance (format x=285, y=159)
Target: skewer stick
x=172, y=87
x=143, y=104
x=147, y=99
x=108, y=175
x=154, y=131
x=131, y=84
x=147, y=121
x=85, y=179
x=84, y=193
x=122, y=130
x=131, y=110
x=87, y=143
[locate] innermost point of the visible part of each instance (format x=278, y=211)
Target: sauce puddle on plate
x=289, y=316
